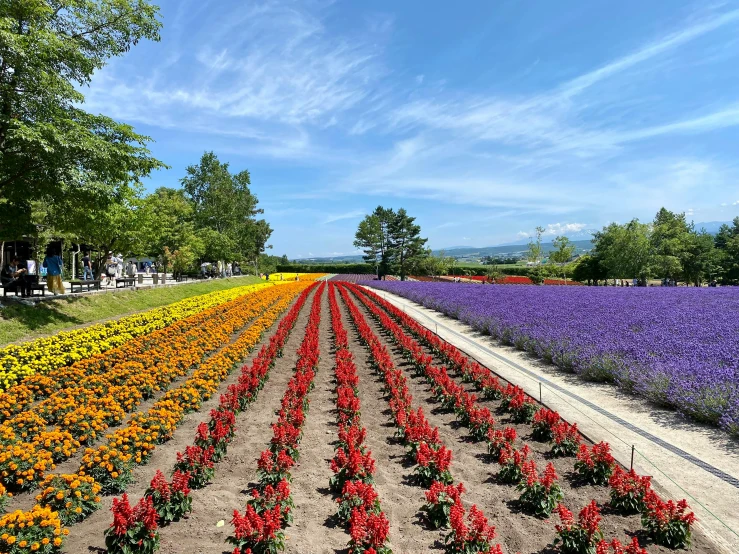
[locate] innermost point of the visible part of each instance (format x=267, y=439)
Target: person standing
x=87, y=268
x=53, y=264
x=111, y=266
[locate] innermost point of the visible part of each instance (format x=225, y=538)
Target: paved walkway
x=148, y=282
x=684, y=458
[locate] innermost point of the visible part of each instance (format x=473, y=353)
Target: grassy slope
x=21, y=322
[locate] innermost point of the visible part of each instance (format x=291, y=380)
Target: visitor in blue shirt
x=53, y=264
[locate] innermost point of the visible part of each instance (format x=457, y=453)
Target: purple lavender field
x=678, y=347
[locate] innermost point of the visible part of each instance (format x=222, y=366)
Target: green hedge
x=364, y=269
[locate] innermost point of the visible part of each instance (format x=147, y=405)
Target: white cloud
x=735, y=203
x=564, y=228
x=273, y=63
x=354, y=214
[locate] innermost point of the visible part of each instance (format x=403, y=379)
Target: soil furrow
x=218, y=500
x=400, y=500
x=313, y=529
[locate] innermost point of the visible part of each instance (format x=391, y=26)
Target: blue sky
x=483, y=119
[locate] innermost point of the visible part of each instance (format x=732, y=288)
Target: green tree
x=225, y=210
x=406, y=245
x=535, y=251
x=699, y=258
x=50, y=149
x=166, y=218
x=373, y=237
x=669, y=238
x=562, y=254
x=589, y=269
x=727, y=252
x=625, y=251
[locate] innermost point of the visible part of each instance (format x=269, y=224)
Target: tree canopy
x=51, y=150
x=667, y=248
x=391, y=241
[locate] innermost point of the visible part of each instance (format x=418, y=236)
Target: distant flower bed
x=352, y=277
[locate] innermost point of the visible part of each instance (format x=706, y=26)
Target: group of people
x=20, y=275
x=210, y=270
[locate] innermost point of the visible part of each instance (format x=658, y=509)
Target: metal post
x=632, y=456
x=539, y=392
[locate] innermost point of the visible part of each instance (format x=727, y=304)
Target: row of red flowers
x=260, y=529
x=134, y=529
x=353, y=464
x=668, y=523
x=512, y=280
x=469, y=531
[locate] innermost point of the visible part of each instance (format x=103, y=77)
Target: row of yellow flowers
x=17, y=361
x=282, y=277
x=66, y=499
x=100, y=374
x=88, y=401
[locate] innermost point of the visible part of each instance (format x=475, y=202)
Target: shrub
x=566, y=439
x=433, y=465
x=439, y=501
x=668, y=523
x=595, y=466
x=171, y=500
x=539, y=496
x=579, y=537
x=628, y=491
x=74, y=497
x=471, y=536
x=134, y=530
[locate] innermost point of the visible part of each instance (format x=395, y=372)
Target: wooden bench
x=41, y=287
x=38, y=287
x=79, y=284
x=124, y=282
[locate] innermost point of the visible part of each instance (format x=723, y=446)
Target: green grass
x=19, y=322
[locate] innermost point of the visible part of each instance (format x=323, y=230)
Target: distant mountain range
x=581, y=240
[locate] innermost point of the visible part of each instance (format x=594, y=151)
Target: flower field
x=207, y=435
x=47, y=354
x=676, y=347
x=277, y=277
x=352, y=277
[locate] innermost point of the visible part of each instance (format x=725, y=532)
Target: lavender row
x=676, y=347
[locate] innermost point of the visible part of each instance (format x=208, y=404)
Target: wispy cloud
x=354, y=214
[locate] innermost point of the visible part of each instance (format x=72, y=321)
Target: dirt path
x=218, y=500
x=713, y=499
x=313, y=529
x=399, y=498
